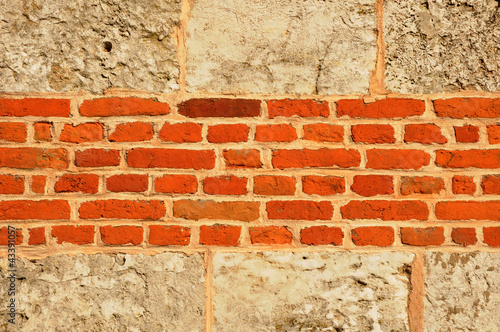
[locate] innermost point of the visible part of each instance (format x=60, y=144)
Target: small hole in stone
x=304, y=257
x=107, y=46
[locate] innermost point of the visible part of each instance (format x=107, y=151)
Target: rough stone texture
x=344, y=291
x=133, y=293
x=58, y=45
x=281, y=46
x=442, y=45
x=462, y=291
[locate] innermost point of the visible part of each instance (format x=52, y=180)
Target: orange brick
x=321, y=235
x=13, y=132
x=302, y=108
x=186, y=132
x=169, y=235
x=233, y=133
x=220, y=235
x=123, y=107
x=119, y=235
x=82, y=133
x=73, y=234
x=428, y=236
x=176, y=184
x=275, y=133
x=323, y=132
x=225, y=185
x=273, y=185
x=270, y=235
x=132, y=132
x=323, y=185
x=380, y=236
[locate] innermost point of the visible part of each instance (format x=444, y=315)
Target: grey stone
x=437, y=46
x=462, y=292
x=277, y=291
x=281, y=46
x=59, y=45
x=164, y=292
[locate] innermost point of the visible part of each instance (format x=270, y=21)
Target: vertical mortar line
x=417, y=294
x=209, y=291
x=180, y=35
x=377, y=79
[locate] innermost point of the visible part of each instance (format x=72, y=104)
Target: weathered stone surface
x=59, y=45
x=462, y=291
x=442, y=45
x=281, y=46
x=100, y=292
x=344, y=291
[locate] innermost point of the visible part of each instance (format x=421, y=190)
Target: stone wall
x=286, y=165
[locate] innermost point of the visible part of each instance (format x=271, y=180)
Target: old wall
x=285, y=165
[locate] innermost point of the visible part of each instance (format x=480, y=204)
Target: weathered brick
x=424, y=133
x=38, y=183
x=301, y=108
x=492, y=236
x=33, y=158
x=42, y=131
x=186, y=132
x=323, y=185
x=35, y=107
x=467, y=134
x=397, y=159
x=372, y=185
x=270, y=235
x=4, y=237
x=386, y=108
x=249, y=158
x=421, y=185
x=171, y=158
x=372, y=133
x=299, y=210
x=425, y=236
x=122, y=209
x=36, y=236
x=237, y=108
x=132, y=132
x=322, y=235
x=220, y=235
x=344, y=158
x=464, y=236
x=176, y=184
x=273, y=185
x=385, y=210
x=97, y=158
x=71, y=183
x=73, y=234
x=13, y=132
x=41, y=210
x=161, y=235
x=127, y=183
x=228, y=133
x=380, y=236
x=11, y=185
x=225, y=185
x=203, y=209
x=463, y=185
x=275, y=133
x=123, y=107
x=82, y=133
x=119, y=235
x=468, y=210
x=323, y=132
x=460, y=108
x=468, y=158
x=491, y=184
x=493, y=134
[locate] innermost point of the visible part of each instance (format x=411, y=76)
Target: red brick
x=171, y=158
x=302, y=108
x=468, y=210
x=73, y=234
x=127, y=183
x=40, y=210
x=492, y=236
x=225, y=185
x=491, y=184
x=321, y=235
x=13, y=132
x=132, y=132
x=493, y=134
x=421, y=185
x=386, y=108
x=37, y=236
x=467, y=134
x=97, y=158
x=468, y=158
x=11, y=185
x=397, y=159
x=372, y=185
x=169, y=235
x=464, y=236
x=42, y=131
x=249, y=158
x=371, y=133
x=4, y=237
x=273, y=185
x=82, y=133
x=323, y=185
x=220, y=235
x=424, y=133
x=71, y=183
x=35, y=107
x=122, y=209
x=385, y=210
x=118, y=235
x=299, y=210
x=380, y=236
x=323, y=132
x=270, y=235
x=344, y=158
x=186, y=132
x=463, y=185
x=38, y=183
x=224, y=108
x=176, y=184
x=228, y=133
x=275, y=133
x=33, y=158
x=204, y=209
x=123, y=107
x=460, y=108
x=425, y=236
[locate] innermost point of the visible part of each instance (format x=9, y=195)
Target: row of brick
x=190, y=132
x=249, y=210
x=406, y=159
x=229, y=235
x=265, y=185
x=223, y=107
